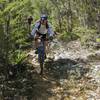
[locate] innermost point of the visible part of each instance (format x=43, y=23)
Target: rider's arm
x=34, y=29
x=50, y=31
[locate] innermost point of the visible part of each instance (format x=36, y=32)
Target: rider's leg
x=46, y=46
x=36, y=43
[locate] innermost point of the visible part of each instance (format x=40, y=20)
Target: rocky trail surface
x=71, y=72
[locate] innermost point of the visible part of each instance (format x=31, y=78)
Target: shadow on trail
x=25, y=84
x=28, y=85
x=65, y=69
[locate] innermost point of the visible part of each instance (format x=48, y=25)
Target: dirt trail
x=71, y=72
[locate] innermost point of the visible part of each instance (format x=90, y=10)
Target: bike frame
x=41, y=53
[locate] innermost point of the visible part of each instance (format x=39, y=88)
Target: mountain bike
x=41, y=53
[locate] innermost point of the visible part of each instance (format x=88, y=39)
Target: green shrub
x=98, y=40
x=85, y=34
x=17, y=57
x=67, y=36
x=64, y=36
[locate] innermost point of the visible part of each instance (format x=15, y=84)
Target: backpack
x=47, y=26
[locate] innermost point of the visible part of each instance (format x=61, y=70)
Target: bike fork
x=41, y=65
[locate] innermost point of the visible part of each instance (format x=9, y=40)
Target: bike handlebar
x=41, y=37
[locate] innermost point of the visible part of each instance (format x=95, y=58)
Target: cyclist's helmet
x=44, y=17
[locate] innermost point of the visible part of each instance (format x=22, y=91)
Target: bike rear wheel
x=41, y=66
x=41, y=61
x=41, y=58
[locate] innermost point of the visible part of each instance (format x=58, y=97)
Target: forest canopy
x=70, y=18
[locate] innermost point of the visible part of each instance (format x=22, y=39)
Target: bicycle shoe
x=36, y=51
x=45, y=56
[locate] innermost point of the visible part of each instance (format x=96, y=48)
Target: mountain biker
x=44, y=29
